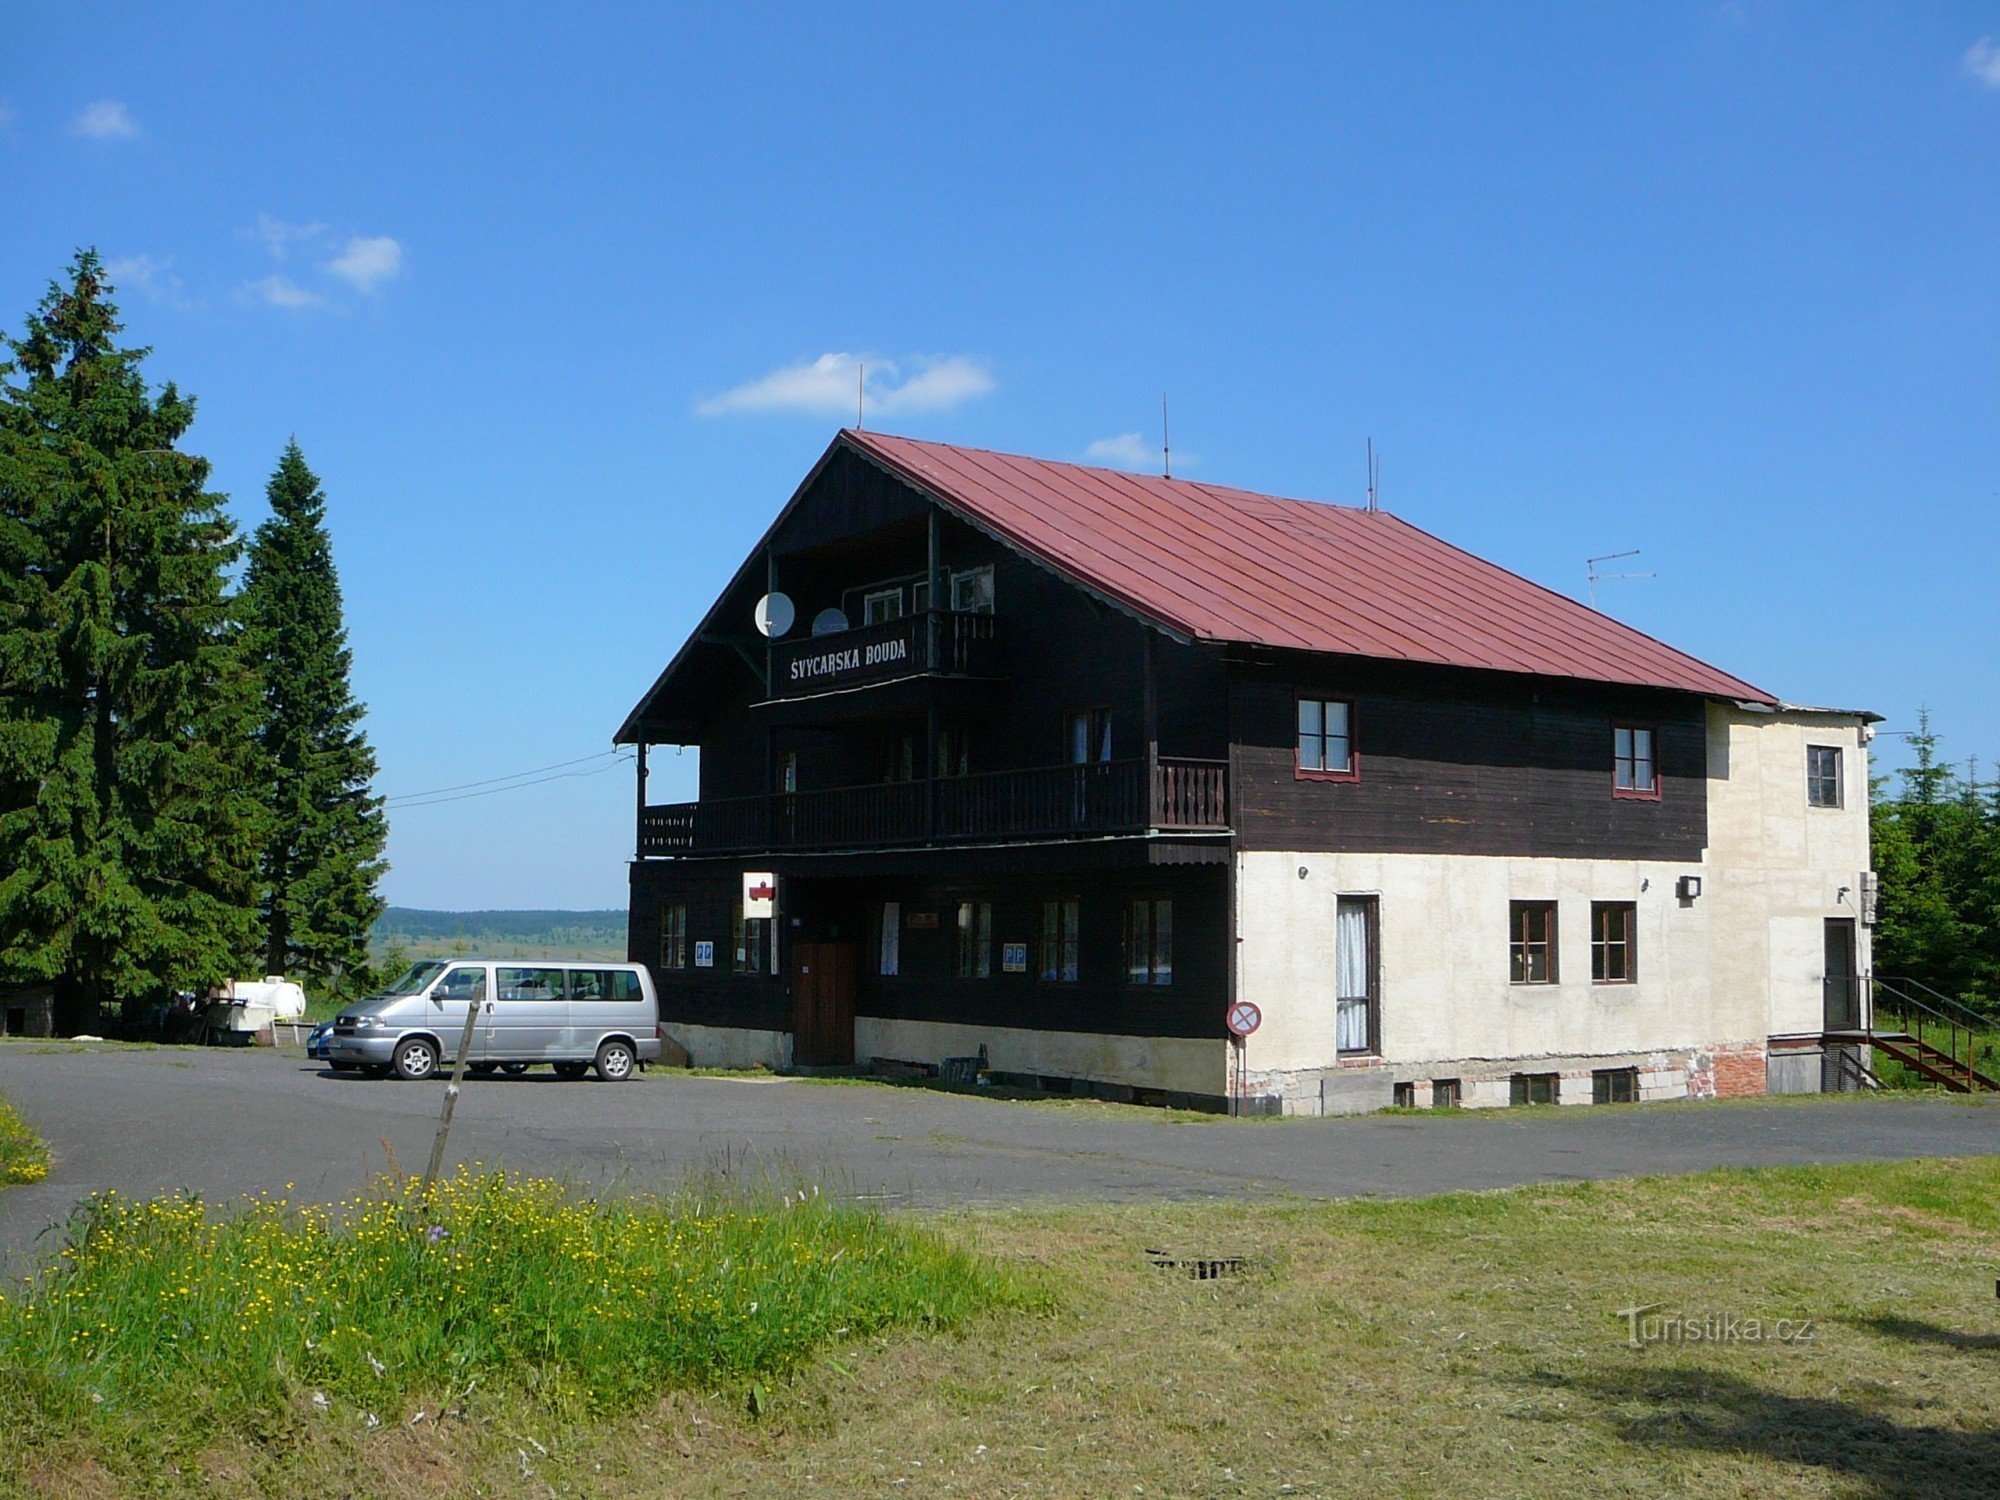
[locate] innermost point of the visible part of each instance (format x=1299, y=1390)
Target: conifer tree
x=128, y=831
x=325, y=829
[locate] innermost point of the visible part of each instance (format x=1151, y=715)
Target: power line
x=491, y=791
x=491, y=780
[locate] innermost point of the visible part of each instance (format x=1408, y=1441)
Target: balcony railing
x=1107, y=797
x=944, y=642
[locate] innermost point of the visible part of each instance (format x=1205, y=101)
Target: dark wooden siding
x=705, y=997
x=1456, y=762
x=927, y=988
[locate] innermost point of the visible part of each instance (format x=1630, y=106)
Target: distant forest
x=500, y=934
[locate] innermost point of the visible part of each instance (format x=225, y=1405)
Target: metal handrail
x=1942, y=1003
x=1961, y=1031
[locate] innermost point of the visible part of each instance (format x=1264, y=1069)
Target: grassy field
x=1470, y=1343
x=24, y=1156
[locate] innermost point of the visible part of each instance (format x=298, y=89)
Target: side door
x=593, y=1009
x=463, y=986
x=1843, y=987
x=531, y=1013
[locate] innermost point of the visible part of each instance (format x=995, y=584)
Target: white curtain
x=892, y=936
x=1350, y=975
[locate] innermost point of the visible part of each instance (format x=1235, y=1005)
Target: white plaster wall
x=732, y=1046
x=1446, y=992
x=1185, y=1064
x=1742, y=962
x=1777, y=866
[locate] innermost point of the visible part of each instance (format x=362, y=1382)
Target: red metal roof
x=1227, y=565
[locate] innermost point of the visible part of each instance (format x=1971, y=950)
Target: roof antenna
x=1590, y=568
x=1166, y=445
x=860, y=395
x=1374, y=476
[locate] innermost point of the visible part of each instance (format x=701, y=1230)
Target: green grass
x=24, y=1156
x=1396, y=1348
x=163, y=1316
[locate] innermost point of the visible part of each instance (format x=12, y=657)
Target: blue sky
x=541, y=291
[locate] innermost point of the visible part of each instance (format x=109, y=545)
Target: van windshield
x=415, y=978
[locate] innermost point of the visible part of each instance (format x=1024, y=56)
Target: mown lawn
x=1466, y=1344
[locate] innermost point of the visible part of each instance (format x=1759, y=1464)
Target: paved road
x=224, y=1123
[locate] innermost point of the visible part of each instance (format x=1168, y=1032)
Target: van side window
x=624, y=986
x=587, y=984
x=530, y=984
x=463, y=983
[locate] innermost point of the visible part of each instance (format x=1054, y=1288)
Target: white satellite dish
x=775, y=615
x=829, y=622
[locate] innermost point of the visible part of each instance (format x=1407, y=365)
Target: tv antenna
x=1374, y=477
x=1590, y=569
x=1166, y=442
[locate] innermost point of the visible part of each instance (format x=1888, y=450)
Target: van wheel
x=571, y=1069
x=614, y=1062
x=416, y=1059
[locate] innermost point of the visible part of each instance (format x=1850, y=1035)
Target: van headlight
x=366, y=1023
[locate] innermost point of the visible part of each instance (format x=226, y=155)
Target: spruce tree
x=325, y=829
x=128, y=830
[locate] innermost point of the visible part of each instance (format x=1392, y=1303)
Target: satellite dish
x=829, y=622
x=774, y=615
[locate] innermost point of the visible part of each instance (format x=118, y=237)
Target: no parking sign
x=1244, y=1018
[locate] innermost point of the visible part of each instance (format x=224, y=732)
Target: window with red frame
x=1634, y=771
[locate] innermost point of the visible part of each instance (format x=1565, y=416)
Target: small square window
x=1613, y=954
x=881, y=605
x=1406, y=1096
x=1823, y=776
x=1445, y=1093
x=972, y=591
x=1635, y=772
x=1537, y=1088
x=1614, y=1086
x=1326, y=737
x=1532, y=941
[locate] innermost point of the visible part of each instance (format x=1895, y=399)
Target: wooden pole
x=472, y=1010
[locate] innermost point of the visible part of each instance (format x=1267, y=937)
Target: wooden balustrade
x=1104, y=797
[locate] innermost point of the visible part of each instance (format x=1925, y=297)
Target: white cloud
x=106, y=120
x=148, y=274
x=827, y=386
x=1126, y=451
x=281, y=291
x=367, y=262
x=278, y=237
x=1982, y=61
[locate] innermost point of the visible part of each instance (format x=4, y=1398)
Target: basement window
x=1445, y=1093
x=1406, y=1096
x=1537, y=1088
x=1614, y=1086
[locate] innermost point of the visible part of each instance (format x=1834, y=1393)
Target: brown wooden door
x=823, y=984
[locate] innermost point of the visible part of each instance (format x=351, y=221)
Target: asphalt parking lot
x=223, y=1123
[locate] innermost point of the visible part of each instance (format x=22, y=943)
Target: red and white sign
x=760, y=895
x=1244, y=1018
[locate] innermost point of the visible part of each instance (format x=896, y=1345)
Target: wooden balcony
x=1052, y=802
x=944, y=643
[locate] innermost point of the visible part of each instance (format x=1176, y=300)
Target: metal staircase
x=1936, y=1037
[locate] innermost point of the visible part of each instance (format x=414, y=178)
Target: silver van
x=573, y=1016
